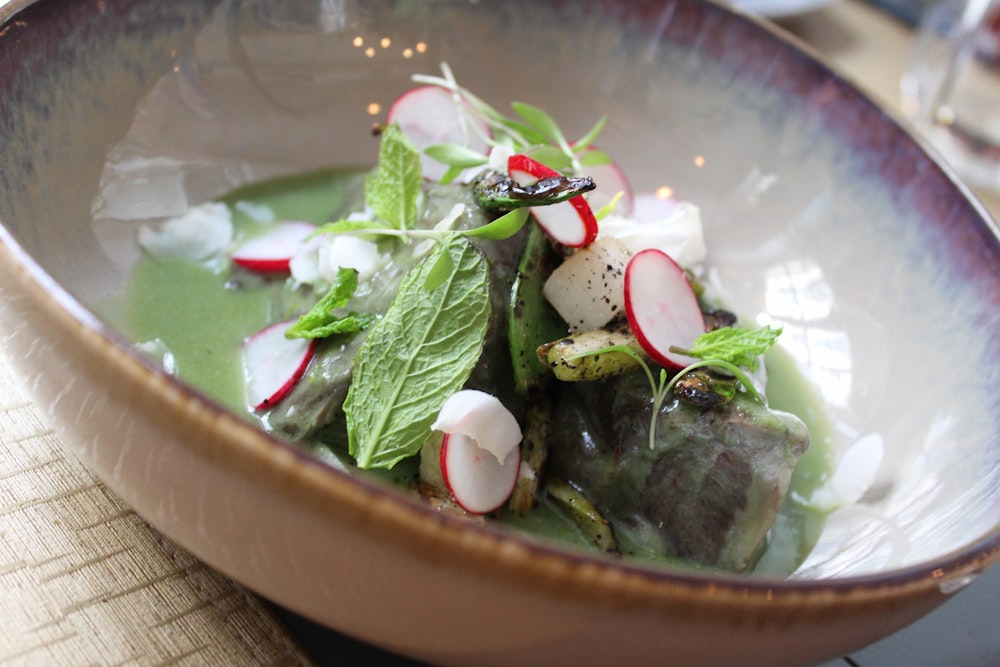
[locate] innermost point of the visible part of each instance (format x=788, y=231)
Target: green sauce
x=198, y=316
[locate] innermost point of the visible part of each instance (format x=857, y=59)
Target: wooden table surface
x=85, y=581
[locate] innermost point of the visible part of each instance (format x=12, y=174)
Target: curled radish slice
x=480, y=453
x=571, y=223
x=661, y=307
x=610, y=180
x=428, y=116
x=274, y=364
x=476, y=480
x=272, y=251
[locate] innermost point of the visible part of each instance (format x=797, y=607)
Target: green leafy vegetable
x=393, y=191
x=732, y=351
x=735, y=345
x=502, y=228
x=456, y=155
x=594, y=158
x=321, y=320
x=587, y=139
x=532, y=131
x=352, y=226
x=420, y=353
x=540, y=121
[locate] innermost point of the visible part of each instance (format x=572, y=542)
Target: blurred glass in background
x=951, y=86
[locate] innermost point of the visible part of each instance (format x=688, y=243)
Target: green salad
x=492, y=320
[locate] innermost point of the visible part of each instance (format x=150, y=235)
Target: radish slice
x=661, y=307
x=428, y=116
x=571, y=223
x=610, y=180
x=272, y=251
x=480, y=453
x=273, y=364
x=476, y=480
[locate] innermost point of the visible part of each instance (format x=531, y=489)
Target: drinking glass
x=951, y=86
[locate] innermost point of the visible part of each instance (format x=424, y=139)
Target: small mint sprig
x=729, y=348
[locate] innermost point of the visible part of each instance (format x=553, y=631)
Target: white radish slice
x=272, y=251
x=571, y=223
x=480, y=452
x=274, y=364
x=428, y=116
x=661, y=307
x=610, y=180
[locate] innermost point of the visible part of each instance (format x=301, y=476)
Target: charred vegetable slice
x=592, y=355
x=531, y=320
x=594, y=526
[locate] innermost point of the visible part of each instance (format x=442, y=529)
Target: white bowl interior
x=822, y=215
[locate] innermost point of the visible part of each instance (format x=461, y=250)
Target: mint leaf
x=733, y=345
x=420, y=353
x=321, y=322
x=393, y=190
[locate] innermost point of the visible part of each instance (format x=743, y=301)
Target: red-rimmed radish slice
x=610, y=180
x=661, y=307
x=480, y=452
x=476, y=480
x=272, y=251
x=273, y=364
x=428, y=116
x=571, y=223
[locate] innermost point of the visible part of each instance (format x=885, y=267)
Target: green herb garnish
x=322, y=321
x=732, y=350
x=735, y=345
x=531, y=131
x=420, y=353
x=393, y=191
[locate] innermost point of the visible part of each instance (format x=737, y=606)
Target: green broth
x=191, y=309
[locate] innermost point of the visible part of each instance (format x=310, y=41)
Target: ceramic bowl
x=822, y=214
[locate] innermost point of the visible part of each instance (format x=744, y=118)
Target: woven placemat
x=85, y=581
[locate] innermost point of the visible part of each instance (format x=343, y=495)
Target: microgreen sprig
x=532, y=131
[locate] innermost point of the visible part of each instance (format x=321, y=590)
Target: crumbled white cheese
x=349, y=252
x=203, y=232
x=853, y=475
x=678, y=234
x=320, y=258
x=588, y=288
x=498, y=157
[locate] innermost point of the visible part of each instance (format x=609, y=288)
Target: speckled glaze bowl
x=822, y=214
